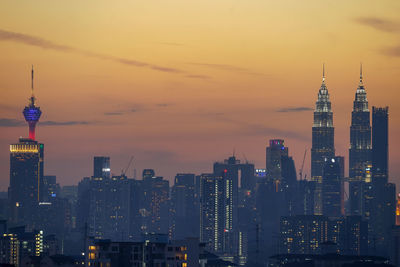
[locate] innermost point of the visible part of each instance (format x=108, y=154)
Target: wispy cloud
x=164, y=105
x=113, y=113
x=393, y=51
x=5, y=122
x=379, y=24
x=262, y=130
x=383, y=25
x=294, y=109
x=205, y=77
x=64, y=123
x=137, y=108
x=46, y=44
x=225, y=67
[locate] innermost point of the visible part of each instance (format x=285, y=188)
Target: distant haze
x=181, y=84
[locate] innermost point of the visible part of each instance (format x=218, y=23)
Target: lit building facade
x=323, y=145
x=360, y=148
x=212, y=212
x=234, y=173
x=156, y=204
x=303, y=234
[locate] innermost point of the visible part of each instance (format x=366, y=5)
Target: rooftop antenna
x=244, y=156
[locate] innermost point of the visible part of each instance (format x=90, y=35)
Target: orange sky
x=180, y=84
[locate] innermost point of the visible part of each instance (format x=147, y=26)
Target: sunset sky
x=180, y=84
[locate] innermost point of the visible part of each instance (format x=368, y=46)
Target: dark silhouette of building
x=313, y=260
x=323, y=145
x=26, y=176
x=156, y=203
x=332, y=189
x=383, y=203
x=380, y=143
x=148, y=252
x=306, y=234
x=26, y=170
x=104, y=206
x=274, y=153
x=360, y=148
x=185, y=208
x=101, y=167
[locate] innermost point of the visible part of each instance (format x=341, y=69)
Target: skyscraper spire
x=323, y=146
x=361, y=76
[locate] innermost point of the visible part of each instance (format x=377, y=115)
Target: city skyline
x=99, y=104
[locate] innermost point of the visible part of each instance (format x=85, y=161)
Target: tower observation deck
x=32, y=113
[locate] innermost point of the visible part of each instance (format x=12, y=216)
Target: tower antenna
x=31, y=112
x=323, y=72
x=32, y=81
x=361, y=75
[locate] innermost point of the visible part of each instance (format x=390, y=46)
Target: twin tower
x=323, y=146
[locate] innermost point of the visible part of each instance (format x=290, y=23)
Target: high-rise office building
x=380, y=143
x=101, y=167
x=274, y=153
x=156, y=203
x=26, y=175
x=332, y=189
x=383, y=202
x=360, y=148
x=233, y=173
x=360, y=134
x=212, y=226
x=26, y=170
x=303, y=234
x=323, y=145
x=185, y=213
x=103, y=207
x=350, y=234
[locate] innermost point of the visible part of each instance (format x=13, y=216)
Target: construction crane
x=302, y=165
x=123, y=171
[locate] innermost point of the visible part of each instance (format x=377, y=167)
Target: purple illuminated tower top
x=32, y=114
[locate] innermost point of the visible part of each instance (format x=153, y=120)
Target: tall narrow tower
x=32, y=113
x=26, y=172
x=323, y=146
x=360, y=148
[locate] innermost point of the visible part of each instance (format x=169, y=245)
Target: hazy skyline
x=179, y=84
